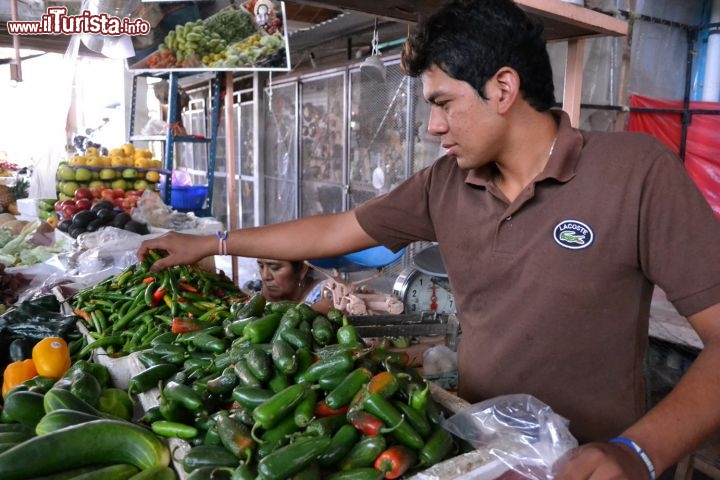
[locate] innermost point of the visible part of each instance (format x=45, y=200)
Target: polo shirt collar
x=561, y=164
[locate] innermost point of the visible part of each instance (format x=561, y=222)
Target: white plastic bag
x=519, y=430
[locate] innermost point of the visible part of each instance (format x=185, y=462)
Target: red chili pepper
x=187, y=287
x=367, y=423
x=395, y=461
x=147, y=280
x=383, y=383
x=158, y=296
x=322, y=410
x=184, y=325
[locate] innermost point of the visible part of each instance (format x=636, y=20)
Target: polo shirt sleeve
x=401, y=216
x=679, y=236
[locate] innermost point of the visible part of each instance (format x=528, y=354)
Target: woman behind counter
x=284, y=280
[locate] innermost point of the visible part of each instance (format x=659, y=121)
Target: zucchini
x=112, y=441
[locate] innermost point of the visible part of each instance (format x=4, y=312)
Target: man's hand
x=601, y=461
x=181, y=249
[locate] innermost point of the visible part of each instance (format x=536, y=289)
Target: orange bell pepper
x=16, y=373
x=51, y=356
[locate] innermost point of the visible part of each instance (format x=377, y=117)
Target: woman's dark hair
x=297, y=267
x=471, y=40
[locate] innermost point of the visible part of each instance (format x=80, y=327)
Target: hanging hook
x=375, y=39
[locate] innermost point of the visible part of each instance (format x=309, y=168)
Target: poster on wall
x=212, y=36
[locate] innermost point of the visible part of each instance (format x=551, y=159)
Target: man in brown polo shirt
x=552, y=238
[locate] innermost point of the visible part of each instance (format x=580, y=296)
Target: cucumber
x=7, y=445
x=62, y=418
x=155, y=473
x=110, y=442
x=59, y=398
x=15, y=437
x=14, y=427
x=68, y=474
x=24, y=407
x=121, y=471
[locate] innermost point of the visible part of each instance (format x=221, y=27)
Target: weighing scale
x=425, y=287
x=424, y=290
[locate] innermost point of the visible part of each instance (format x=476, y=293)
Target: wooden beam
x=572, y=91
x=589, y=22
x=562, y=20
x=231, y=163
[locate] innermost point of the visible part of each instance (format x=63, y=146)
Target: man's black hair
x=471, y=40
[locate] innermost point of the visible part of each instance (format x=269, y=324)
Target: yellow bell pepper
x=16, y=373
x=51, y=356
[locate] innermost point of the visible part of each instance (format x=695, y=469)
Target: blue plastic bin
x=186, y=197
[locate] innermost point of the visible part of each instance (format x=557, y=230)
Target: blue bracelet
x=640, y=452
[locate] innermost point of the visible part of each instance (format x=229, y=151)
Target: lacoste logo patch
x=573, y=234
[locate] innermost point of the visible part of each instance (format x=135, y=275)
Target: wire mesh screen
x=378, y=142
x=280, y=176
x=322, y=145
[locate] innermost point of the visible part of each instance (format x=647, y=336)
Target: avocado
x=64, y=226
x=94, y=225
x=76, y=231
x=82, y=218
x=102, y=205
x=136, y=227
x=121, y=219
x=106, y=215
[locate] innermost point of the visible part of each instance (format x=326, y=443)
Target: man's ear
x=507, y=84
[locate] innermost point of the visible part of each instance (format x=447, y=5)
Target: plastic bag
x=519, y=430
x=151, y=210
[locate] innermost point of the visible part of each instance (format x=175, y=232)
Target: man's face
x=467, y=125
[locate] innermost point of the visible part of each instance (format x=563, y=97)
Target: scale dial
x=421, y=292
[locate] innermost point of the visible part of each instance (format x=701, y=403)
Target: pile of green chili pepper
x=279, y=390
x=125, y=312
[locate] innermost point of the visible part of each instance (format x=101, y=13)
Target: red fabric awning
x=702, y=147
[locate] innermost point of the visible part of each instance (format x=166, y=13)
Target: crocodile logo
x=573, y=234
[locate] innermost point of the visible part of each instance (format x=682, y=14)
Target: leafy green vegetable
x=232, y=25
x=5, y=236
